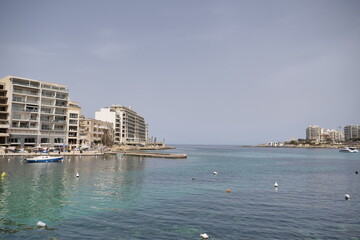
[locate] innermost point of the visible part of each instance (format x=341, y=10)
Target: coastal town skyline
x=207, y=72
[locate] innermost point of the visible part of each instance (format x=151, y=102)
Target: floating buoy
x=347, y=196
x=276, y=184
x=193, y=178
x=3, y=174
x=77, y=174
x=41, y=224
x=204, y=236
x=215, y=173
x=229, y=191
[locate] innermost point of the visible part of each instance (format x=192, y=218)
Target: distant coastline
x=328, y=146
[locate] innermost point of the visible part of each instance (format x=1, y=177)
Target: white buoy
x=347, y=196
x=77, y=174
x=41, y=224
x=215, y=173
x=204, y=236
x=276, y=184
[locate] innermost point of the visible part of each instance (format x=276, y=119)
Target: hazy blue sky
x=212, y=72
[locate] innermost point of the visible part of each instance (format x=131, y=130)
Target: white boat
x=349, y=149
x=39, y=159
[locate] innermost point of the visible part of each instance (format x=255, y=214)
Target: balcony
x=26, y=84
x=25, y=92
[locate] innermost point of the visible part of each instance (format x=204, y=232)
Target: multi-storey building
x=129, y=127
x=313, y=133
x=331, y=135
x=336, y=135
x=36, y=112
x=4, y=116
x=351, y=132
x=74, y=112
x=93, y=132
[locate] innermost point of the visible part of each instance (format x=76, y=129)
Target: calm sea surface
x=131, y=198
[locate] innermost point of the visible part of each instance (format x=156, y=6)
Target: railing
x=26, y=84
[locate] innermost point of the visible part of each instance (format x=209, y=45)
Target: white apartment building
x=331, y=135
x=34, y=111
x=313, y=133
x=129, y=127
x=351, y=132
x=74, y=113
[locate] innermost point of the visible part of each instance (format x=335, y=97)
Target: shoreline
x=325, y=146
x=113, y=150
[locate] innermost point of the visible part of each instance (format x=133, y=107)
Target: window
x=45, y=127
x=59, y=128
x=59, y=140
x=18, y=99
x=30, y=140
x=17, y=108
x=45, y=118
x=16, y=116
x=46, y=110
x=14, y=140
x=73, y=115
x=24, y=124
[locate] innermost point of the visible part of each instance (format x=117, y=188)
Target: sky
x=199, y=72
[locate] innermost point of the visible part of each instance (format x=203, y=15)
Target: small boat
x=44, y=159
x=349, y=149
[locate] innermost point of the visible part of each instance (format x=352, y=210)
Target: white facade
x=37, y=112
x=129, y=127
x=352, y=132
x=313, y=133
x=107, y=115
x=74, y=112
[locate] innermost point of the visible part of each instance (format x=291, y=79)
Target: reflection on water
x=131, y=198
x=51, y=191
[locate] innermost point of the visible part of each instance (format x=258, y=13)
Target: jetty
x=155, y=155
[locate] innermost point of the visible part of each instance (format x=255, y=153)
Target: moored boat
x=349, y=149
x=44, y=159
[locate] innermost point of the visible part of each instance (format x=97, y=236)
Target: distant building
x=351, y=132
x=129, y=127
x=94, y=132
x=314, y=133
x=336, y=135
x=331, y=136
x=74, y=112
x=33, y=113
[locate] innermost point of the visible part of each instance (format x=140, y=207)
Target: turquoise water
x=133, y=198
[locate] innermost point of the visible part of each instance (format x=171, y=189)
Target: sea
x=118, y=197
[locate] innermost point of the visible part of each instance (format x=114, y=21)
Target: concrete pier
x=156, y=155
